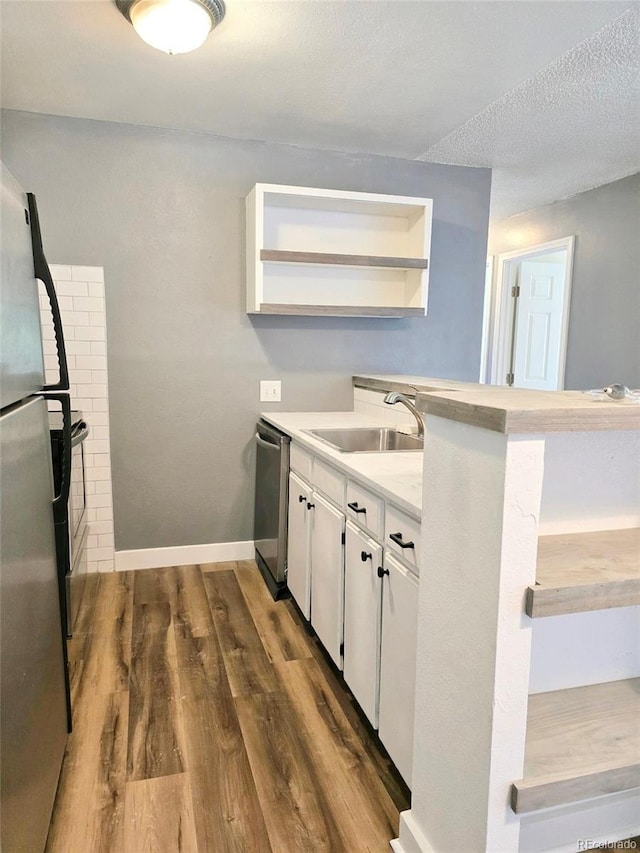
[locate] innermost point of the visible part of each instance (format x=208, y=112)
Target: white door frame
x=485, y=345
x=498, y=342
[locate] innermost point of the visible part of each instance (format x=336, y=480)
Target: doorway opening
x=527, y=342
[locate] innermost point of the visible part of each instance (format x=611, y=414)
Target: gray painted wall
x=163, y=212
x=604, y=321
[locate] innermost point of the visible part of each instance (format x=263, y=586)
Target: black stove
x=71, y=530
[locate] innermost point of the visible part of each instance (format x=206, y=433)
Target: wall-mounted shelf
x=338, y=310
x=336, y=253
x=577, y=572
x=334, y=260
x=581, y=743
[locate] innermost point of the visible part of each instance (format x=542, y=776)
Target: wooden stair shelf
x=581, y=743
x=577, y=572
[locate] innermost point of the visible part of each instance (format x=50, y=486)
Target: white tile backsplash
x=80, y=291
x=60, y=272
x=88, y=303
x=89, y=333
x=372, y=403
x=87, y=274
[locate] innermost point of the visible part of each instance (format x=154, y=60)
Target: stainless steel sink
x=367, y=439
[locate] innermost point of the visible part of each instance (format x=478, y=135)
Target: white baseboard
x=183, y=555
x=411, y=838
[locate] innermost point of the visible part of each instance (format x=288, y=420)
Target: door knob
x=382, y=572
x=364, y=556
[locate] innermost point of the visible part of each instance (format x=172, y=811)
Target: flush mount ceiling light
x=174, y=26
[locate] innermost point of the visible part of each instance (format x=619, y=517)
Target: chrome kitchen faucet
x=395, y=397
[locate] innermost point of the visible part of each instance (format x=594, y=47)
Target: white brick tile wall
x=372, y=403
x=60, y=272
x=87, y=274
x=80, y=292
x=89, y=333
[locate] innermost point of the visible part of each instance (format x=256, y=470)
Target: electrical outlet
x=270, y=391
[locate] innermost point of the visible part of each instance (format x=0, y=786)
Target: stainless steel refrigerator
x=33, y=673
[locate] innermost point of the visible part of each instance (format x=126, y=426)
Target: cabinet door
x=327, y=575
x=362, y=619
x=398, y=664
x=298, y=550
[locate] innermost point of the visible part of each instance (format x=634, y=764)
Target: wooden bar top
x=515, y=410
x=410, y=385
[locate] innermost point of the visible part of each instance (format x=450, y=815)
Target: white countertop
x=396, y=475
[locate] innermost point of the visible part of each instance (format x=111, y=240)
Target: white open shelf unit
x=336, y=253
x=583, y=740
x=532, y=520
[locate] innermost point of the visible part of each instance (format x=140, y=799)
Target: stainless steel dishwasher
x=272, y=495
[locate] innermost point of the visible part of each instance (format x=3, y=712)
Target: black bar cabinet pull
x=364, y=556
x=354, y=506
x=397, y=538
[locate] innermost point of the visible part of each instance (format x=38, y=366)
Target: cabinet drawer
x=402, y=530
x=365, y=509
x=329, y=482
x=301, y=462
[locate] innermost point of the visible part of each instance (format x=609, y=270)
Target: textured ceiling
x=385, y=76
x=573, y=126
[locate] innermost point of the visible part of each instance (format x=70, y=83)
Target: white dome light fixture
x=173, y=26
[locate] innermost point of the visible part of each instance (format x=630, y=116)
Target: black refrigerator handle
x=61, y=500
x=41, y=269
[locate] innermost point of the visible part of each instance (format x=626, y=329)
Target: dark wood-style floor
x=206, y=720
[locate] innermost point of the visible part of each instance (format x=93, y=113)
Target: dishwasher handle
x=268, y=444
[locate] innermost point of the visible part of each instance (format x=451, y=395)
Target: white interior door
x=538, y=325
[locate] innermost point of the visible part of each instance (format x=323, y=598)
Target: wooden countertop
x=407, y=384
x=515, y=410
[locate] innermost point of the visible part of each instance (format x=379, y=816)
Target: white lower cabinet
x=327, y=575
x=362, y=604
x=361, y=597
x=398, y=664
x=298, y=550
